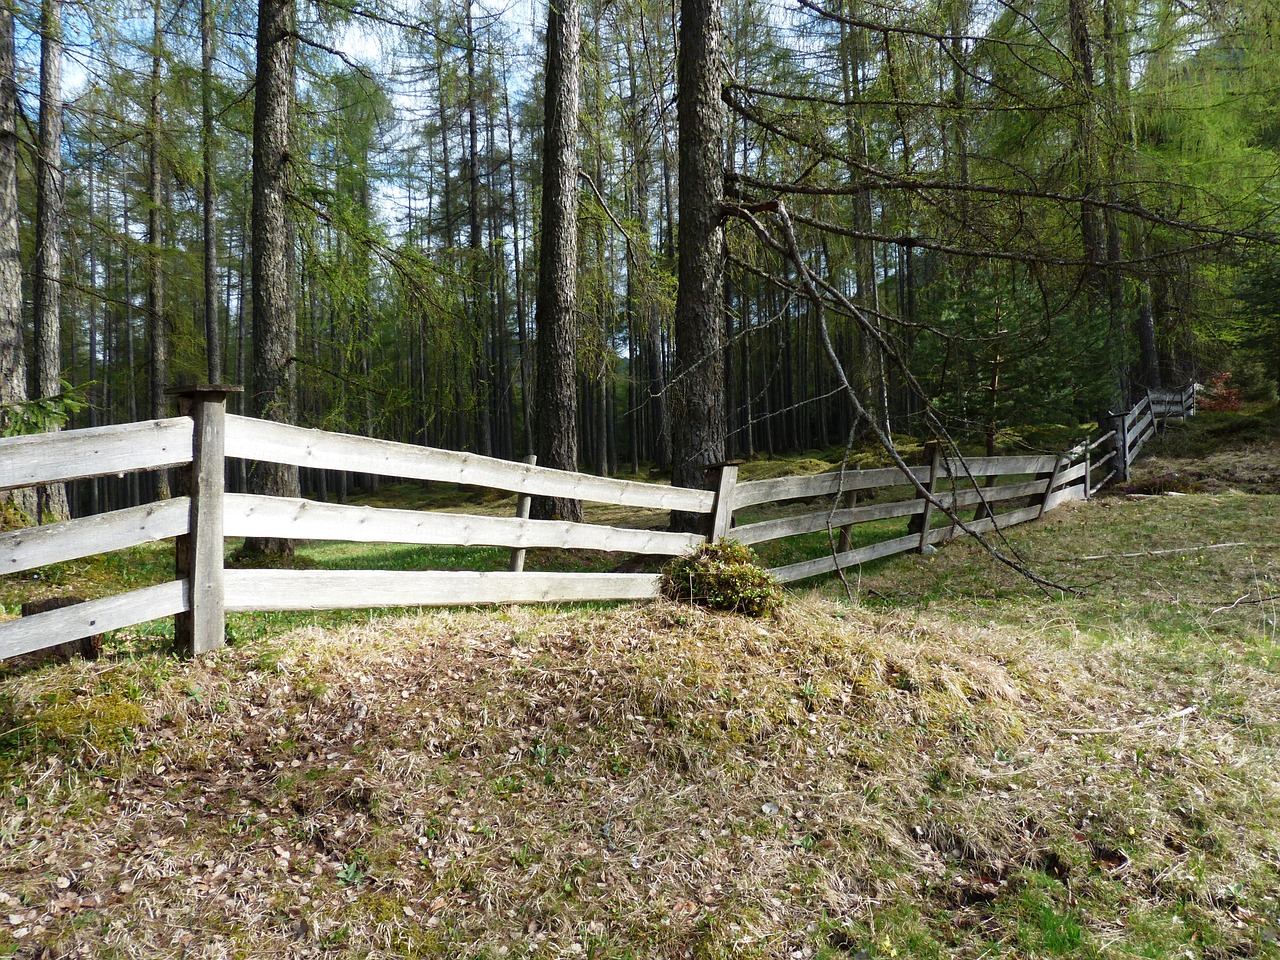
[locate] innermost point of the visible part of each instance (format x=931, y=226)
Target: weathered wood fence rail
x=1003, y=491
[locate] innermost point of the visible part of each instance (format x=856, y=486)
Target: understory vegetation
x=933, y=758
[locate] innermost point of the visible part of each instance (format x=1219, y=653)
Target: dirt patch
x=1251, y=468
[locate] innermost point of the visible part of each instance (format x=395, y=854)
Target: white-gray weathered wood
x=723, y=507
x=1006, y=491
x=249, y=590
x=1069, y=475
x=779, y=489
x=281, y=443
x=31, y=547
x=997, y=466
x=524, y=506
x=203, y=626
x=1138, y=435
x=767, y=530
x=94, y=452
x=829, y=564
x=295, y=519
x=1064, y=495
x=934, y=452
x=40, y=630
x=1102, y=439
x=1002, y=520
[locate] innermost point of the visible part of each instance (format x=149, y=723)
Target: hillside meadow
x=933, y=758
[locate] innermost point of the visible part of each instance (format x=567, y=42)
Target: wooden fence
x=1001, y=491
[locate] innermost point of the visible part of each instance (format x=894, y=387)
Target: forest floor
x=935, y=759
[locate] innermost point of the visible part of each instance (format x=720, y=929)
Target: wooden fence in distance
x=1002, y=491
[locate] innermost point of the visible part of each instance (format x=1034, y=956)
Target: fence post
x=1052, y=479
x=724, y=478
x=1088, y=470
x=848, y=500
x=200, y=551
x=522, y=513
x=920, y=522
x=1122, y=446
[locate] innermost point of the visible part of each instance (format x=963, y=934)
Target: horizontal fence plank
x=252, y=439
x=249, y=515
x=1064, y=495
x=767, y=530
x=850, y=558
x=249, y=590
x=94, y=452
x=40, y=630
x=1070, y=475
x=1007, y=491
x=779, y=489
x=36, y=546
x=1010, y=518
x=998, y=466
x=1137, y=434
x=1102, y=439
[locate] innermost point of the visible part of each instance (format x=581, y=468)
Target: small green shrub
x=722, y=576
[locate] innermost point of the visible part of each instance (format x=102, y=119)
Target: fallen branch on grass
x=1161, y=553
x=1083, y=731
x=1245, y=599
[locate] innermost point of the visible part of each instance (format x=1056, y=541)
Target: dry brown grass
x=653, y=782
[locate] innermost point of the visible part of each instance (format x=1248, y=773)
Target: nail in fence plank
x=249, y=590
x=94, y=452
x=31, y=547
x=523, y=505
x=295, y=519
x=93, y=616
x=281, y=443
x=202, y=627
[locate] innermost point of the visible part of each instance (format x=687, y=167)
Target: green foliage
x=26, y=417
x=722, y=576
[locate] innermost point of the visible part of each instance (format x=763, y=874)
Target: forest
x=631, y=236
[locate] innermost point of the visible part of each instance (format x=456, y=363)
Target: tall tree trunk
x=13, y=354
x=212, y=334
x=157, y=334
x=1092, y=232
x=476, y=299
x=555, y=317
x=517, y=265
x=49, y=199
x=275, y=390
x=698, y=418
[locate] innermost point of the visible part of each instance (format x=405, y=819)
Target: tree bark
x=275, y=391
x=212, y=335
x=49, y=201
x=157, y=334
x=698, y=418
x=555, y=317
x=13, y=354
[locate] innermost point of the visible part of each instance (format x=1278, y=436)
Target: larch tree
x=554, y=318
x=698, y=424
x=275, y=391
x=13, y=356
x=48, y=263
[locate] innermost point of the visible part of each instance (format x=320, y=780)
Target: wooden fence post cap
x=204, y=389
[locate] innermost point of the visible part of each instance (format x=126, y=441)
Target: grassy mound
x=646, y=782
